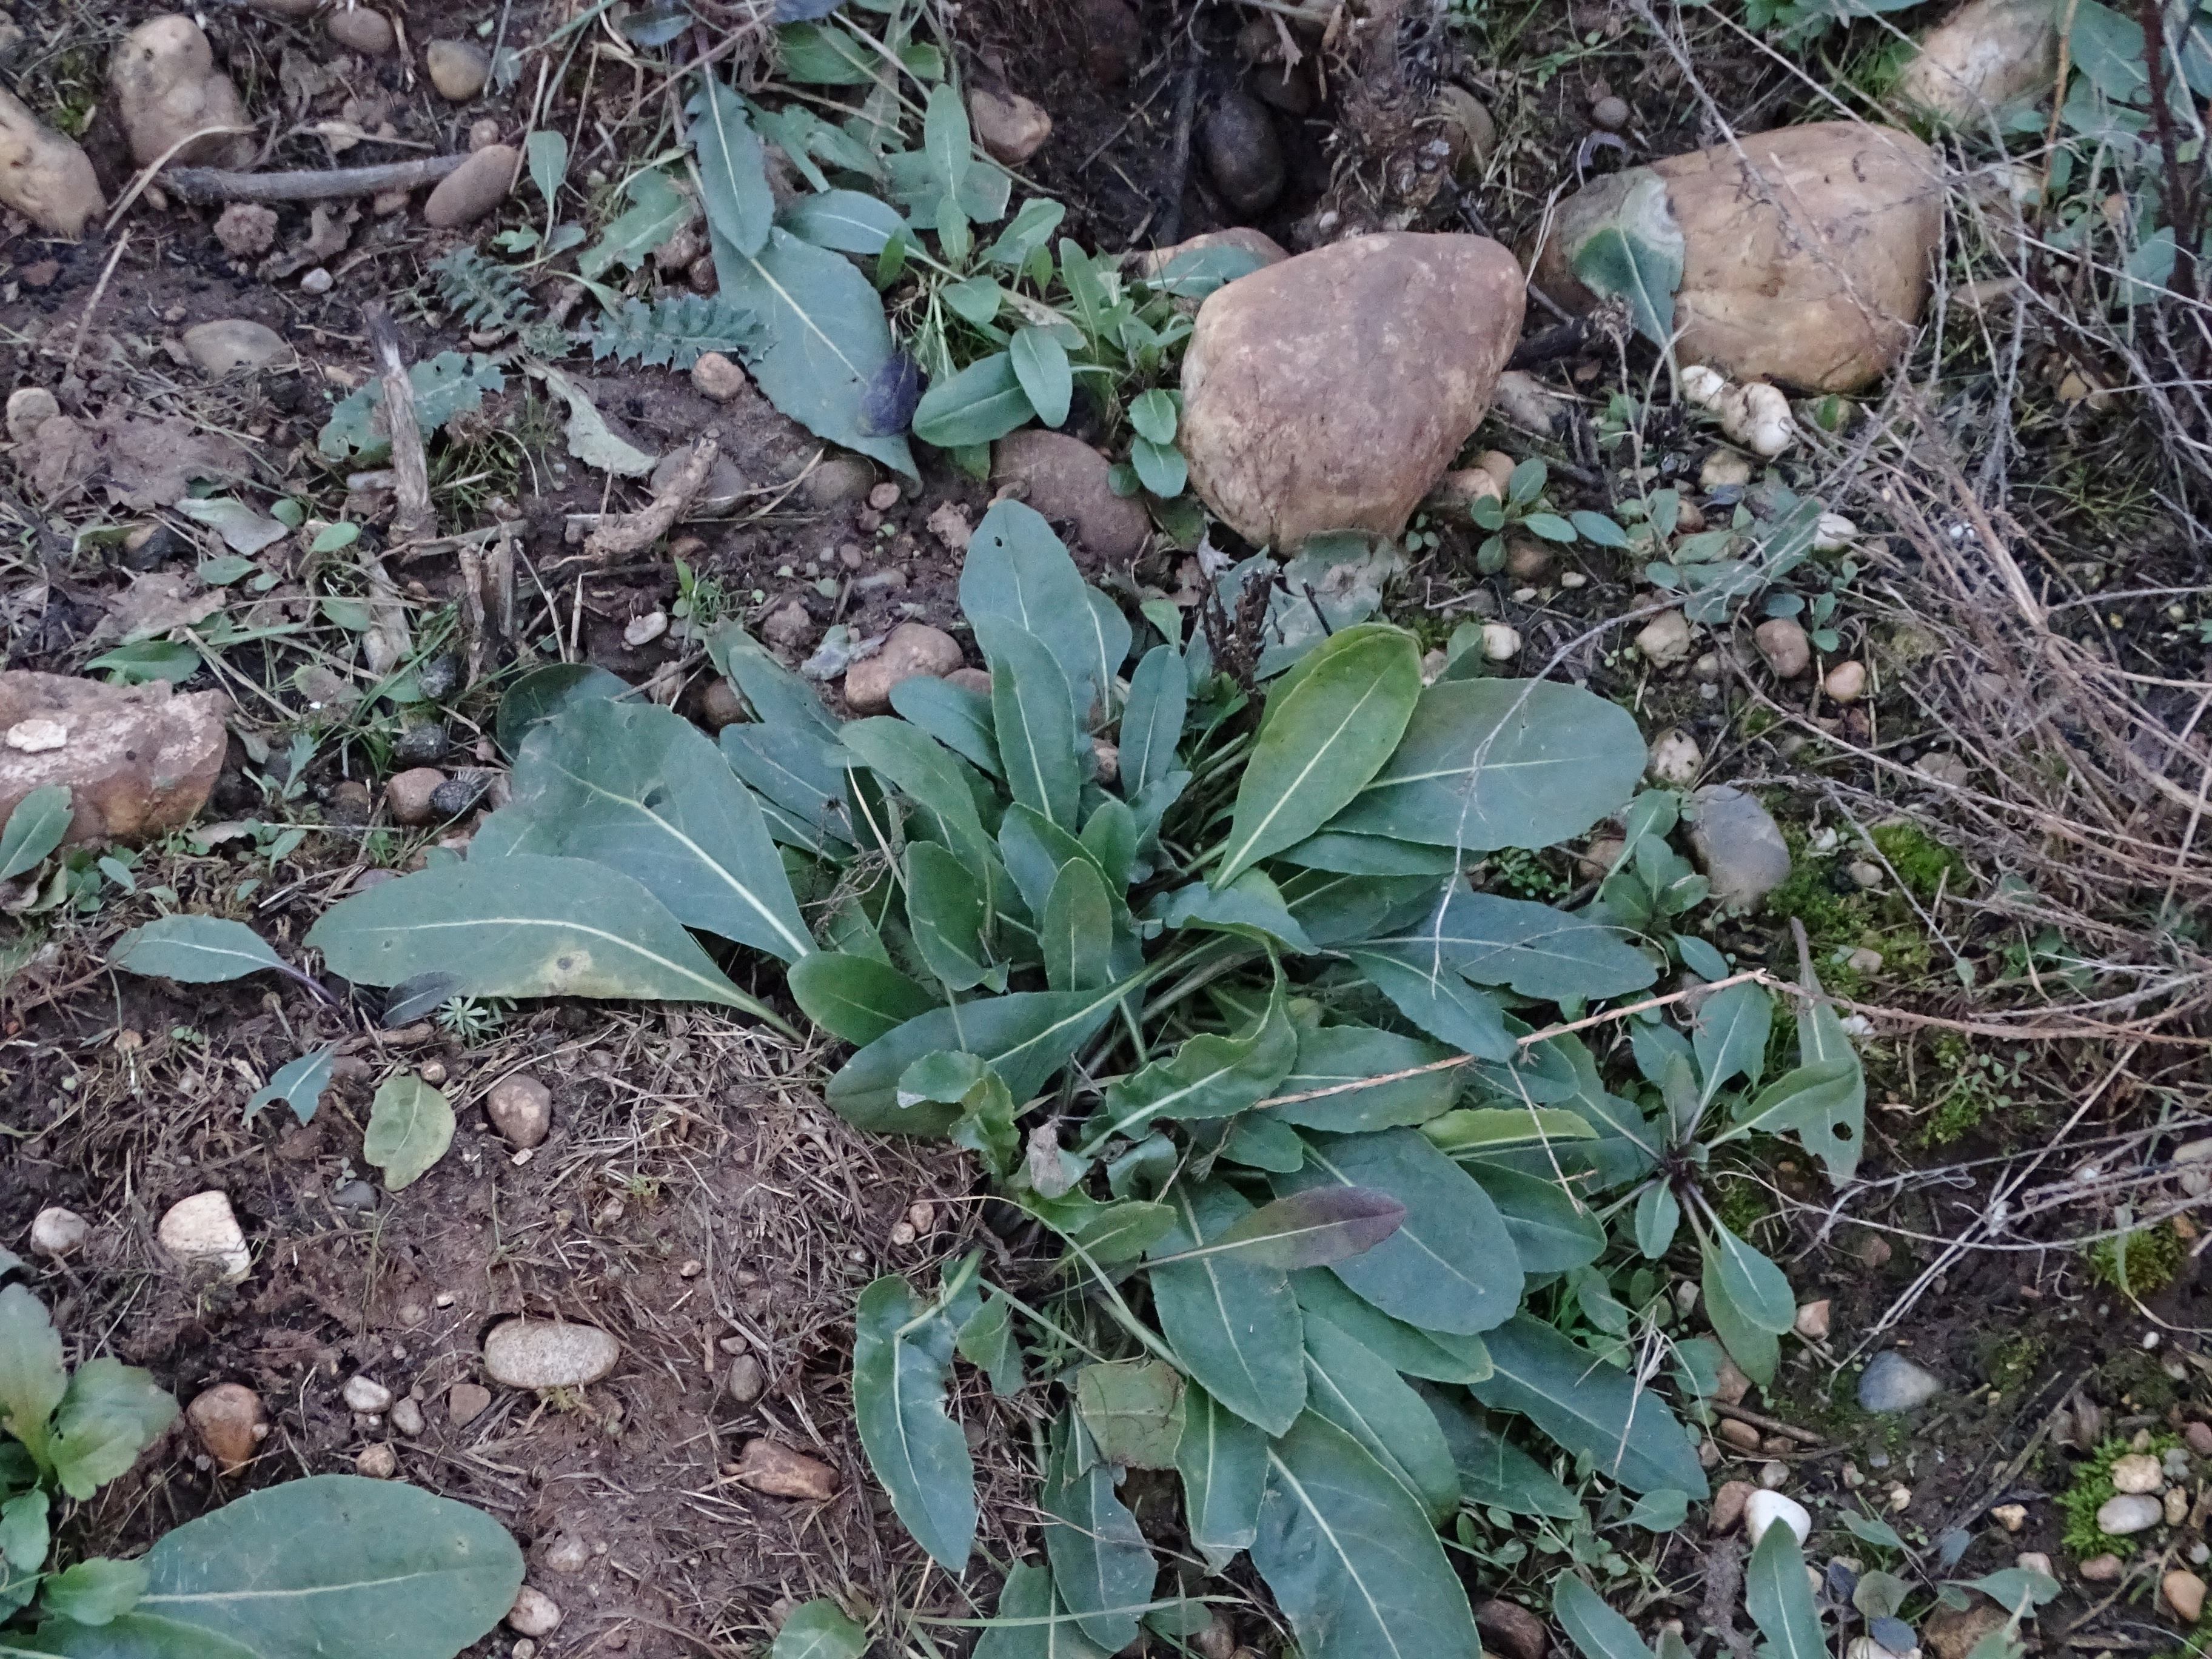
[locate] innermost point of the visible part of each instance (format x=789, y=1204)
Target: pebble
x=1676, y=759
x=1812, y=1320
x=568, y=1554
x=366, y=1394
x=1782, y=644
x=1890, y=1382
x=2199, y=1437
x=459, y=68
x=1845, y=683
x=1865, y=874
x=838, y=482
x=318, y=281
x=2128, y=1512
x=2185, y=1594
x=1865, y=960
x=914, y=648
x=2137, y=1472
x=230, y=1424
x=1665, y=640
x=2011, y=1516
x=1741, y=1435
x=1945, y=769
x=1243, y=154
x=534, y=1612
x=232, y=346
x=1609, y=114
x=1774, y=1475
x=1500, y=643
x=353, y=1195
x=459, y=794
x=378, y=1463
x=409, y=795
x=1069, y=482
x=1738, y=845
x=1510, y=1631
x=1724, y=469
x=1764, y=1508
x=420, y=742
x=30, y=408
x=644, y=630
x=56, y=1232
x=2177, y=1506
x=406, y=1417
x=1010, y=127
x=2101, y=1569
x=715, y=376
x=544, y=1354
x=202, y=1231
x=359, y=29
x=747, y=1382
x=521, y=1109
x=473, y=189
x=2034, y=1561
x=787, y=625
x=1728, y=1505
x=465, y=1402
x=781, y=1472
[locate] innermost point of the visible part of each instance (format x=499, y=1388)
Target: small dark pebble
x=155, y=550
x=457, y=793
x=440, y=678
x=422, y=744
x=1243, y=154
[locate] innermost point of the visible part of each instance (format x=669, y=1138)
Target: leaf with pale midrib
x=1588, y=1406
x=900, y=1362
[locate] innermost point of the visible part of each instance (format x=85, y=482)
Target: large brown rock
x=914, y=648
x=1331, y=392
x=473, y=189
x=136, y=760
x=1985, y=55
x=165, y=88
x=1065, y=479
x=44, y=176
x=1805, y=255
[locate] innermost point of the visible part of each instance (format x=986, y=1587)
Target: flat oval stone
x=2130, y=1512
x=545, y=1353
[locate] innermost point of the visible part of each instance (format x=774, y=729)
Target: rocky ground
x=1952, y=756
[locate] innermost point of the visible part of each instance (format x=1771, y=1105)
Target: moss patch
x=2138, y=1263
x=2093, y=1487
x=1922, y=862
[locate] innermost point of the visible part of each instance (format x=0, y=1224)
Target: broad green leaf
x=1312, y=1229
x=1729, y=1036
x=955, y=715
x=24, y=1535
x=410, y=1126
x=1322, y=741
x=820, y=54
x=1450, y=1265
x=1036, y=1626
x=639, y=789
x=1487, y=763
x=1076, y=933
x=449, y=385
x=33, y=1378
x=1039, y=363
x=547, y=152
x=1779, y=1599
x=1493, y=1472
x=945, y=908
x=591, y=439
x=95, y=1592
x=1589, y=1407
x=1100, y=1563
x=1661, y=1511
x=1353, y=1563
x=1107, y=1233
x=131, y=1636
x=523, y=926
x=825, y=350
x=979, y=404
x=1233, y=1324
x=1361, y=1395
x=111, y=1413
x=543, y=693
x=1475, y=1131
x=819, y=1630
x=1535, y=950
x=1552, y=1232
x=35, y=828
x=1223, y=1461
x=2016, y=1590
x=1814, y=1094
x=1436, y=1355
x=847, y=221
x=657, y=211
x=1436, y=998
x=1593, y=1626
x=988, y=1342
x=1025, y=1037
x=1760, y=1289
x=1152, y=719
x=1033, y=713
x=1160, y=467
x=1330, y=1056
x=1261, y=1143
x=1209, y=1075
x=1753, y=1346
x=193, y=950
x=393, y=1570
x=733, y=169
x=901, y=1358
x=1036, y=849
x=1658, y=1215
x=299, y=1084
x=1016, y=568
x=1368, y=855
x=1832, y=1126
x=1030, y=230
x=1251, y=905
x=945, y=139
x=855, y=997
x=1133, y=1409
x=925, y=772
x=1623, y=244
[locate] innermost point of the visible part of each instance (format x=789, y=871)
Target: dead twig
x=623, y=533
x=413, y=518
x=1771, y=1425
x=307, y=185
x=99, y=292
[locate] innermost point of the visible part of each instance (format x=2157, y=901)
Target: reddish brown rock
x=137, y=760
x=229, y=1422
x=1065, y=479
x=781, y=1472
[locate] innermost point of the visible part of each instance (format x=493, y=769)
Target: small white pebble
x=317, y=281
